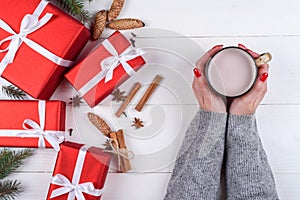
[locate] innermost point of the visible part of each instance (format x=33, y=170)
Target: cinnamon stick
x=113, y=136
x=148, y=93
x=122, y=145
x=133, y=91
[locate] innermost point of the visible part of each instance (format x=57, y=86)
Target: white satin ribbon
x=30, y=23
x=75, y=189
x=110, y=63
x=37, y=130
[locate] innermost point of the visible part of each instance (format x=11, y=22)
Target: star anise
x=107, y=145
x=118, y=95
x=138, y=123
x=75, y=101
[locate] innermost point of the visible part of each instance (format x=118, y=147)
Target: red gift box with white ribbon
x=80, y=173
x=32, y=123
x=103, y=70
x=38, y=42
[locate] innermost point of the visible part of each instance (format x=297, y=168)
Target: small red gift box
x=108, y=66
x=32, y=123
x=49, y=39
x=79, y=170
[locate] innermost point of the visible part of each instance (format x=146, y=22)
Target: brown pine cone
x=99, y=123
x=124, y=24
x=115, y=9
x=99, y=24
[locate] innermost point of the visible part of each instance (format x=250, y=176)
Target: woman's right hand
x=207, y=99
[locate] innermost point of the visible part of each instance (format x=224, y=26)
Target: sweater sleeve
x=248, y=174
x=197, y=170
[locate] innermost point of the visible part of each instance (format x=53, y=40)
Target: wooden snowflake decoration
x=118, y=95
x=137, y=123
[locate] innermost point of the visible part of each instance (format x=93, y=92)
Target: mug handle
x=262, y=59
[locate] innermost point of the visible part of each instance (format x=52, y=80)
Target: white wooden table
x=262, y=25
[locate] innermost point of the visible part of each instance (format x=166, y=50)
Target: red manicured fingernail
x=242, y=46
x=264, y=77
x=197, y=73
x=218, y=46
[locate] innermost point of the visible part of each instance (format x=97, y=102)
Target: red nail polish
x=197, y=73
x=264, y=77
x=242, y=46
x=218, y=46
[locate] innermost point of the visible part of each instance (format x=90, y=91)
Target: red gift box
x=79, y=166
x=62, y=35
x=14, y=113
x=90, y=67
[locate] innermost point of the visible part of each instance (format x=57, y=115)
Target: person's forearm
x=198, y=166
x=248, y=174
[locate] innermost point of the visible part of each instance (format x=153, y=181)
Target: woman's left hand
x=247, y=104
x=207, y=99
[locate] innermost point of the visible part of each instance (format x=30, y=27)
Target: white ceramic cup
x=232, y=71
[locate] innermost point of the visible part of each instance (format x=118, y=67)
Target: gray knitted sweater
x=197, y=170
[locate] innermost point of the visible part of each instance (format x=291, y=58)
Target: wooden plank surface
x=215, y=18
x=262, y=25
x=281, y=144
x=136, y=186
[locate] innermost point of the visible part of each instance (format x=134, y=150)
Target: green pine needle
x=13, y=92
x=10, y=189
x=75, y=8
x=10, y=160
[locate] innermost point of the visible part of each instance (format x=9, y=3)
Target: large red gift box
x=89, y=67
x=62, y=35
x=14, y=113
x=93, y=169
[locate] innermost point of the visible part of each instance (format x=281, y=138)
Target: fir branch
x=13, y=92
x=9, y=189
x=10, y=160
x=75, y=8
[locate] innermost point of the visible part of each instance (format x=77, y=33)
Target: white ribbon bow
x=30, y=23
x=75, y=189
x=110, y=63
x=33, y=128
x=53, y=137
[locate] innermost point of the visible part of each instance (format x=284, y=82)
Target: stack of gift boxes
x=39, y=43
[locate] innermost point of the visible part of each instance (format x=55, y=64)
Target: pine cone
x=124, y=24
x=99, y=24
x=99, y=123
x=115, y=9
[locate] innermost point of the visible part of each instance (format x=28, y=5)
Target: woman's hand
x=207, y=99
x=247, y=104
